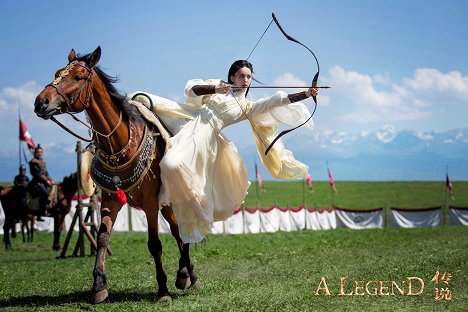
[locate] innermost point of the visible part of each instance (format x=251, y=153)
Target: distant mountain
x=386, y=154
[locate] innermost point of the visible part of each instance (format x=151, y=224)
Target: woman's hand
x=222, y=88
x=312, y=92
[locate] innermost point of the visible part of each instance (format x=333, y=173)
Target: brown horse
x=15, y=210
x=127, y=159
x=66, y=190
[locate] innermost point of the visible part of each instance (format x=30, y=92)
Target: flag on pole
x=309, y=181
x=259, y=179
x=449, y=185
x=332, y=182
x=25, y=136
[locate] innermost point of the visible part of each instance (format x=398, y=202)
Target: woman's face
x=242, y=78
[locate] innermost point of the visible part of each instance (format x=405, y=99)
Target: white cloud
x=288, y=79
x=24, y=96
x=407, y=101
x=395, y=103
x=360, y=87
x=430, y=81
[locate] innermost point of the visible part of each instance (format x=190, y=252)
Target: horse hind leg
x=186, y=277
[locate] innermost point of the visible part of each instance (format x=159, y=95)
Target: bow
x=314, y=81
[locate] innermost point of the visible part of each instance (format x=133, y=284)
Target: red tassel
x=121, y=197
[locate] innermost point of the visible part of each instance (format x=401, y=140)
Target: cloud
x=377, y=99
x=430, y=81
x=24, y=96
x=288, y=79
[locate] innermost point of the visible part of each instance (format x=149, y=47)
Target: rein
x=70, y=101
x=68, y=130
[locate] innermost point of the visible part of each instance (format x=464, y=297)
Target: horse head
x=71, y=89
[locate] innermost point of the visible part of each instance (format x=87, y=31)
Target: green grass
x=262, y=272
x=358, y=195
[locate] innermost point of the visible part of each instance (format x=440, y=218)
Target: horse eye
x=78, y=77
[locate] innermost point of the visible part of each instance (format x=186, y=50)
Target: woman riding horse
x=127, y=160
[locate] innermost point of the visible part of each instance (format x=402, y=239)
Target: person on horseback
x=20, y=186
x=41, y=182
x=203, y=177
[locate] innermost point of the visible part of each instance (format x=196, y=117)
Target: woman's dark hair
x=236, y=66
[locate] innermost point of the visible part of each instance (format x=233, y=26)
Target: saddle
x=33, y=199
x=32, y=202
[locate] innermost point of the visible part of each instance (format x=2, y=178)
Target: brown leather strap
x=296, y=97
x=204, y=89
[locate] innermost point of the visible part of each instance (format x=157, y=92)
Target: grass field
x=358, y=195
x=263, y=272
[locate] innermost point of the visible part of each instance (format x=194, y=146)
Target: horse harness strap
x=74, y=98
x=107, y=136
x=129, y=175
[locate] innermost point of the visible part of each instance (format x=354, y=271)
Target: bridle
x=77, y=96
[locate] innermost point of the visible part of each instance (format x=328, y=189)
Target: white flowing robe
x=203, y=176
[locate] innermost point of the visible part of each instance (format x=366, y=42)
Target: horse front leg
x=109, y=211
x=155, y=248
x=58, y=227
x=24, y=224
x=31, y=222
x=7, y=226
x=186, y=277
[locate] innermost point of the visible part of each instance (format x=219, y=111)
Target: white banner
x=415, y=218
x=458, y=216
x=359, y=219
x=320, y=219
x=2, y=218
x=277, y=219
x=298, y=218
x=252, y=221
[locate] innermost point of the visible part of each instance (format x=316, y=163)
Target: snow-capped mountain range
x=386, y=154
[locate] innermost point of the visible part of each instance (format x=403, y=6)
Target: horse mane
x=118, y=98
x=69, y=184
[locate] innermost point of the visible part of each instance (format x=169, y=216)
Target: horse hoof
x=164, y=299
x=183, y=283
x=8, y=247
x=100, y=296
x=56, y=247
x=195, y=286
x=183, y=279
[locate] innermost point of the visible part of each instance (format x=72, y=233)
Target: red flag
x=259, y=177
x=309, y=181
x=449, y=185
x=25, y=136
x=332, y=182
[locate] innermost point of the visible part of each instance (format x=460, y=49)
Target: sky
x=390, y=63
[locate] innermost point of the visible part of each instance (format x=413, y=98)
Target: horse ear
x=94, y=58
x=71, y=56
